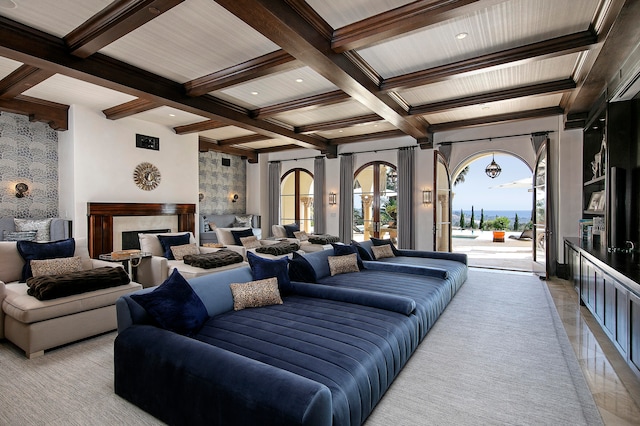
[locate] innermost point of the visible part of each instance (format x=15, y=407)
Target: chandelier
x=493, y=170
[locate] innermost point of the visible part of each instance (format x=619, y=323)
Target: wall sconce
x=427, y=196
x=234, y=198
x=333, y=199
x=21, y=189
x=200, y=196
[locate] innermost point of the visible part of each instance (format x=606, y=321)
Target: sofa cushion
x=59, y=266
x=250, y=242
x=243, y=221
x=11, y=263
x=343, y=249
x=278, y=231
x=226, y=238
x=380, y=252
x=42, y=226
x=301, y=270
x=362, y=251
x=301, y=235
x=262, y=268
x=168, y=241
x=381, y=242
x=241, y=234
x=149, y=243
x=19, y=235
x=255, y=294
x=343, y=264
x=290, y=229
x=179, y=252
x=174, y=305
x=30, y=250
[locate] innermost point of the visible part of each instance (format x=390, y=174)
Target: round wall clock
x=146, y=176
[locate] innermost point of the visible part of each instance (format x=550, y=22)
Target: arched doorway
x=375, y=201
x=296, y=199
x=482, y=204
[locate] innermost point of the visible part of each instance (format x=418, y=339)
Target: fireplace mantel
x=101, y=220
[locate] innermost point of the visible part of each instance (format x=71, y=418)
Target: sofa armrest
x=458, y=257
x=406, y=269
x=181, y=380
x=152, y=271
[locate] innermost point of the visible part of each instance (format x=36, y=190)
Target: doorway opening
x=492, y=217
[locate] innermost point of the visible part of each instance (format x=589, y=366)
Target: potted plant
x=499, y=225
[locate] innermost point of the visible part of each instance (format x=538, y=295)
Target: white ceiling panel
x=328, y=113
x=169, y=116
x=341, y=13
x=265, y=144
x=495, y=108
x=361, y=129
x=226, y=133
x=502, y=26
x=521, y=75
x=69, y=91
x=57, y=17
x=277, y=88
x=7, y=66
x=192, y=40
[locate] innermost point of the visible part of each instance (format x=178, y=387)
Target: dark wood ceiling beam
x=242, y=140
x=551, y=87
x=276, y=148
x=558, y=46
x=310, y=102
x=338, y=124
x=281, y=24
x=31, y=46
x=200, y=126
x=54, y=114
x=114, y=21
x=498, y=118
x=130, y=108
x=402, y=20
x=21, y=80
x=366, y=137
x=207, y=144
x=268, y=64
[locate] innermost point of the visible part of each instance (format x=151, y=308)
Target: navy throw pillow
x=174, y=305
x=262, y=268
x=380, y=242
x=241, y=234
x=364, y=254
x=290, y=229
x=301, y=270
x=343, y=249
x=168, y=241
x=31, y=250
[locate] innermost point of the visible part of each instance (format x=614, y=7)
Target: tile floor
x=615, y=387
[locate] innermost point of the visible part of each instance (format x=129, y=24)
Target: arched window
x=296, y=199
x=375, y=201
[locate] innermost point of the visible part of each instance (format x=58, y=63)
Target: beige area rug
x=498, y=355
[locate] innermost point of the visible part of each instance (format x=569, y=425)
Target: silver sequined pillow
x=19, y=235
x=40, y=225
x=343, y=264
x=380, y=252
x=301, y=235
x=255, y=294
x=59, y=266
x=250, y=242
x=182, y=250
x=243, y=221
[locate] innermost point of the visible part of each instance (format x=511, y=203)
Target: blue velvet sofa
x=325, y=356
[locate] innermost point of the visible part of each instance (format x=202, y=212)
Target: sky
x=477, y=188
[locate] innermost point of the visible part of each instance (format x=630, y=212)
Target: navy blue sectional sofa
x=325, y=356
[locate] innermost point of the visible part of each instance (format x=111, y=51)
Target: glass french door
x=296, y=199
x=441, y=205
x=375, y=203
x=540, y=246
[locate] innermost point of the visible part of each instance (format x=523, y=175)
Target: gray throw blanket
x=278, y=249
x=323, y=239
x=216, y=259
x=46, y=287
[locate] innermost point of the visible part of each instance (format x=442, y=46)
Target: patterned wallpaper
x=218, y=183
x=29, y=154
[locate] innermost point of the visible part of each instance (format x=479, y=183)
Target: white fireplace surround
x=140, y=223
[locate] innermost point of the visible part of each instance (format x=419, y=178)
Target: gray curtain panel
x=406, y=180
x=274, y=195
x=319, y=201
x=346, y=198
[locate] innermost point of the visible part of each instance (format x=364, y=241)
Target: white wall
x=98, y=157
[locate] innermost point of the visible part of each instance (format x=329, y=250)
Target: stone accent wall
x=218, y=183
x=29, y=154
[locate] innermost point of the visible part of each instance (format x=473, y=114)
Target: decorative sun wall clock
x=146, y=176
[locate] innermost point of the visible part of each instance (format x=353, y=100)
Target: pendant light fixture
x=493, y=169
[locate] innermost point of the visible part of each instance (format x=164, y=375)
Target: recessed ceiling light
x=172, y=115
x=299, y=80
x=460, y=36
x=254, y=93
x=8, y=4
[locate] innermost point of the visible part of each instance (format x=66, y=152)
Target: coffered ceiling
x=255, y=76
